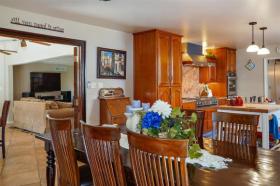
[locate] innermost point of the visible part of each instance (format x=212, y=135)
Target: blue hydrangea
x=151, y=120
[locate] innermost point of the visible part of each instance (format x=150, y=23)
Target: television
x=45, y=82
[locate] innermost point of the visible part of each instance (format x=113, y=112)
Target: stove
x=203, y=101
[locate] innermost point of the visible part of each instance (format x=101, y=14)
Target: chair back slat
x=103, y=152
x=235, y=135
x=5, y=112
x=68, y=173
x=199, y=124
x=158, y=161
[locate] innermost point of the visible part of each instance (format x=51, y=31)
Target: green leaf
x=176, y=112
x=193, y=117
x=194, y=151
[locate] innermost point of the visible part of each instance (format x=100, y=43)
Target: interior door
x=277, y=81
x=77, y=101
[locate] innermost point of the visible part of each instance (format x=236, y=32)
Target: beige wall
x=22, y=77
x=251, y=83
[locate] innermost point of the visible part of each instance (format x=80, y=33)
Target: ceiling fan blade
x=41, y=43
x=4, y=52
x=11, y=51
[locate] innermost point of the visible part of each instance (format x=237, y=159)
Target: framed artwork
x=111, y=63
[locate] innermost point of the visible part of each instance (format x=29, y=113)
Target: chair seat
x=85, y=176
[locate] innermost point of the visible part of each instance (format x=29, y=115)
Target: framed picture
x=111, y=64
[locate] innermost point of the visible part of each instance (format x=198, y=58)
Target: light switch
x=91, y=85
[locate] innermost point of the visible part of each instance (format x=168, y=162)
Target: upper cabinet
x=157, y=67
x=226, y=62
x=207, y=74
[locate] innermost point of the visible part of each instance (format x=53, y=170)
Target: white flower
x=162, y=108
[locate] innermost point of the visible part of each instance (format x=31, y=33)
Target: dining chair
x=235, y=134
x=3, y=122
x=68, y=171
x=103, y=152
x=157, y=161
x=198, y=125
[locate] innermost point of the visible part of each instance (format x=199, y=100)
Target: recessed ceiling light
x=105, y=0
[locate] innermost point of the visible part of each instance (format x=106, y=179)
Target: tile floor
x=25, y=161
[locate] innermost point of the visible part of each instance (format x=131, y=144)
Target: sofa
x=30, y=114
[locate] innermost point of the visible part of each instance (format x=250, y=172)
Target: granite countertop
x=249, y=107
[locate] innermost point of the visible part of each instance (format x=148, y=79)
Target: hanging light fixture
x=253, y=47
x=263, y=50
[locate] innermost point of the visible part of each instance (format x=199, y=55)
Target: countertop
x=249, y=107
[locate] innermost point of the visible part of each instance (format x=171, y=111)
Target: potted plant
x=162, y=121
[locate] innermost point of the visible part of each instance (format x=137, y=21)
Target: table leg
x=265, y=131
x=50, y=168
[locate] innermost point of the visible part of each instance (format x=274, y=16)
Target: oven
x=231, y=85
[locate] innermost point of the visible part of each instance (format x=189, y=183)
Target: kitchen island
x=263, y=110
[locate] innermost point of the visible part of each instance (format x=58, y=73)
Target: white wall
x=251, y=83
x=94, y=37
x=22, y=76
x=35, y=52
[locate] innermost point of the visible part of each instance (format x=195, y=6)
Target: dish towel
x=273, y=127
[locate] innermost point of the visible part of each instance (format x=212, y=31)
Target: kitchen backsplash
x=191, y=86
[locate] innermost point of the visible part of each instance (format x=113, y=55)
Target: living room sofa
x=30, y=114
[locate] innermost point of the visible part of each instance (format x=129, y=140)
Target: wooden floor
x=25, y=161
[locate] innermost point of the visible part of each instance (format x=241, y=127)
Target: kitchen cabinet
x=225, y=62
x=158, y=67
x=208, y=123
x=112, y=110
x=207, y=74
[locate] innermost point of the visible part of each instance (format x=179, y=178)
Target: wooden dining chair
x=236, y=134
x=3, y=122
x=158, y=161
x=103, y=152
x=198, y=125
x=69, y=174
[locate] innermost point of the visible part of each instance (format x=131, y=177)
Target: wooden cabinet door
x=221, y=64
x=207, y=74
x=231, y=60
x=203, y=75
x=164, y=94
x=176, y=97
x=212, y=73
x=176, y=61
x=164, y=57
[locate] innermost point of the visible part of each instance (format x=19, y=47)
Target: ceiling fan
x=7, y=52
x=24, y=44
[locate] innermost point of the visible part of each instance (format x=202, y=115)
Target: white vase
x=128, y=120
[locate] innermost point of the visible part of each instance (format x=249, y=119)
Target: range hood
x=193, y=56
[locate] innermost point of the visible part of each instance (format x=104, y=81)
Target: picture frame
x=111, y=63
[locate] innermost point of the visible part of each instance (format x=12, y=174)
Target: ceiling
x=66, y=60
x=218, y=22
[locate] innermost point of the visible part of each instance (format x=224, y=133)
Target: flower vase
x=134, y=122
x=128, y=120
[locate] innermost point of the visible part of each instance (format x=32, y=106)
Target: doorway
x=79, y=97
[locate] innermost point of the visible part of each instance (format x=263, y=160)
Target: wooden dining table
x=263, y=170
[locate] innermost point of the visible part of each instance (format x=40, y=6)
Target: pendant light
x=263, y=50
x=253, y=47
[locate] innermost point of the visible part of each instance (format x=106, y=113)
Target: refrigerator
x=274, y=80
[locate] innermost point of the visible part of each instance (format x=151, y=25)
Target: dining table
x=262, y=170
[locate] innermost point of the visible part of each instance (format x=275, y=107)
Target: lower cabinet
x=112, y=110
x=208, y=123
x=172, y=95
x=176, y=97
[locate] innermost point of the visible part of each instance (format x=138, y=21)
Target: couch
x=30, y=114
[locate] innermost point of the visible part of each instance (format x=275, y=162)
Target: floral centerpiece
x=164, y=122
